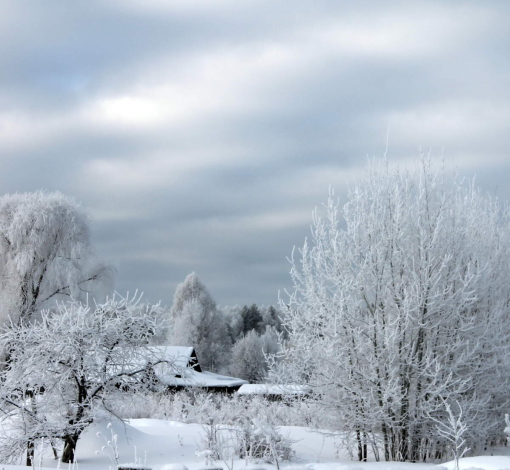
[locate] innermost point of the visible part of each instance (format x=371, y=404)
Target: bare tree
x=452, y=429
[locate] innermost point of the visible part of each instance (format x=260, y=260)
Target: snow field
x=171, y=445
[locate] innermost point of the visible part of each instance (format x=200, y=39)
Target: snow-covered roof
x=180, y=356
x=273, y=389
x=192, y=378
x=173, y=360
x=181, y=368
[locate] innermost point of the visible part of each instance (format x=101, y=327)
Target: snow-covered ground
x=158, y=443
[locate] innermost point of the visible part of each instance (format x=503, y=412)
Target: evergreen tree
x=252, y=319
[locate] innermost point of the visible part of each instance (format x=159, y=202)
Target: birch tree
x=45, y=252
x=401, y=302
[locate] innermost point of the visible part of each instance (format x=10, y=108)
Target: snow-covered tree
x=196, y=321
x=270, y=341
x=234, y=321
x=451, y=429
x=248, y=358
x=191, y=288
x=271, y=317
x=401, y=302
x=63, y=368
x=161, y=317
x=44, y=252
x=240, y=320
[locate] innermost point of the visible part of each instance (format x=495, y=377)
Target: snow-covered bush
x=248, y=361
x=245, y=437
x=263, y=441
x=197, y=407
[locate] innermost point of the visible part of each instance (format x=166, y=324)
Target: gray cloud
x=201, y=135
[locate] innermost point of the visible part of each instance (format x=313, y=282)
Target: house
x=177, y=368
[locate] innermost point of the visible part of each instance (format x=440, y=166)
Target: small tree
x=64, y=366
x=452, y=430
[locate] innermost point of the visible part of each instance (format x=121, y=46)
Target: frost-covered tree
x=270, y=341
x=196, y=321
x=241, y=320
x=161, y=317
x=248, y=359
x=192, y=288
x=271, y=317
x=63, y=368
x=401, y=302
x=45, y=251
x=234, y=321
x=451, y=429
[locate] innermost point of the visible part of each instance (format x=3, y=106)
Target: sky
x=200, y=135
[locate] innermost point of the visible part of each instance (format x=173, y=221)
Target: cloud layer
x=200, y=135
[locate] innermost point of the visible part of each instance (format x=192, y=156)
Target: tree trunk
x=386, y=443
x=70, y=442
x=360, y=448
x=404, y=443
x=54, y=449
x=30, y=453
x=415, y=442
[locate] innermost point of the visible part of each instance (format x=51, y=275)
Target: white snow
x=487, y=462
x=174, y=466
x=192, y=378
x=178, y=355
x=170, y=445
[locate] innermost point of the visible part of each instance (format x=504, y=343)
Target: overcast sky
x=200, y=134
